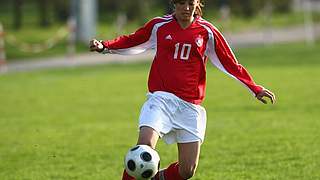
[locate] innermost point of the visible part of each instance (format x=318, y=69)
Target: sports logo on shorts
x=199, y=41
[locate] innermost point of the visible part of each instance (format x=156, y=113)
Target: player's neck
x=184, y=23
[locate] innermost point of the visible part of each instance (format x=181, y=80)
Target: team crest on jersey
x=199, y=41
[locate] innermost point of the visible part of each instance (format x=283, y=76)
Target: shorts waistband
x=169, y=95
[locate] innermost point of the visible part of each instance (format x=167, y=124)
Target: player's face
x=185, y=9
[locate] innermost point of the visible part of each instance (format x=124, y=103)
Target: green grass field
x=78, y=123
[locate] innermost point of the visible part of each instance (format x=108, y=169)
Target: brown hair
x=198, y=11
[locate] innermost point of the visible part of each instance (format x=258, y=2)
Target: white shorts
x=175, y=120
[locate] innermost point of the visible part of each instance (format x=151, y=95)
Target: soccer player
x=184, y=42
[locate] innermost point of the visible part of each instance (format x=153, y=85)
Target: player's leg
x=188, y=158
x=191, y=121
x=147, y=136
x=185, y=167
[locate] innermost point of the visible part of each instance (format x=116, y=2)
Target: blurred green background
x=35, y=21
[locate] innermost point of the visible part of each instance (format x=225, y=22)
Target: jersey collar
x=193, y=22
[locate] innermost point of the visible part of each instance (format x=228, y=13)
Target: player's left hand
x=266, y=93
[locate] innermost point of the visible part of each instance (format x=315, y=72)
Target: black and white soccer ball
x=142, y=162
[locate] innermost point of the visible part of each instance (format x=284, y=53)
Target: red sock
x=171, y=173
x=126, y=176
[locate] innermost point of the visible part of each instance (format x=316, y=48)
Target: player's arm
x=134, y=43
x=222, y=57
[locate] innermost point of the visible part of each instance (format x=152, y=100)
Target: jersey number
x=184, y=53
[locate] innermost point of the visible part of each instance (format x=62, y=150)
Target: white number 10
x=184, y=54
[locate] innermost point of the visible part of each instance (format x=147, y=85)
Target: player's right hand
x=266, y=93
x=96, y=45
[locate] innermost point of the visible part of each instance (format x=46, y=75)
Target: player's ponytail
x=199, y=8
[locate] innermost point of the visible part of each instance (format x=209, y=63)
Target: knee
x=187, y=171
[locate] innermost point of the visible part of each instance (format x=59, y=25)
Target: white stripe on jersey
x=204, y=21
x=150, y=44
x=211, y=53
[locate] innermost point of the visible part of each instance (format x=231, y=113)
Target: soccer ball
x=142, y=162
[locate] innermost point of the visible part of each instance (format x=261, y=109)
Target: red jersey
x=179, y=65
